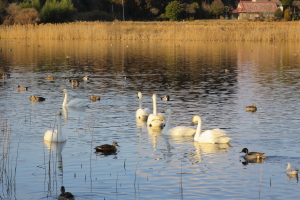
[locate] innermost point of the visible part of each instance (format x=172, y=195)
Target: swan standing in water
x=73, y=102
x=155, y=119
x=56, y=135
x=209, y=136
x=142, y=113
x=178, y=130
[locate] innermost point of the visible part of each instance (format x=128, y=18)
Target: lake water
x=149, y=165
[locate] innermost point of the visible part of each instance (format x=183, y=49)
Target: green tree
x=278, y=13
x=172, y=10
x=217, y=8
x=54, y=11
x=30, y=4
x=287, y=14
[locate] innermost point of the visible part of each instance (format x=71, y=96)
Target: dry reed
x=220, y=30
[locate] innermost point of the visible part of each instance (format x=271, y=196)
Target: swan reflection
x=210, y=150
x=291, y=176
x=57, y=147
x=140, y=124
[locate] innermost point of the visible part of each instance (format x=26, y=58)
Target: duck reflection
x=291, y=176
x=57, y=147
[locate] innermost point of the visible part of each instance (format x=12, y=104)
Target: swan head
x=64, y=90
x=154, y=96
x=245, y=150
x=168, y=111
x=59, y=113
x=139, y=95
x=196, y=118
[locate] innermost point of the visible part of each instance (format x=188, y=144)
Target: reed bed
x=224, y=30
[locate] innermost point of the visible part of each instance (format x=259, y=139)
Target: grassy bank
x=227, y=30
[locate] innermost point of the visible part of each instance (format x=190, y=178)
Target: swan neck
x=65, y=99
x=198, y=131
x=140, y=103
x=154, y=105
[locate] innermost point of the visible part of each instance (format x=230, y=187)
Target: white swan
x=73, y=102
x=155, y=119
x=142, y=113
x=56, y=135
x=209, y=136
x=178, y=130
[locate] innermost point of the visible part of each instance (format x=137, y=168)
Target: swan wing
x=181, y=131
x=78, y=103
x=155, y=120
x=142, y=113
x=50, y=135
x=211, y=136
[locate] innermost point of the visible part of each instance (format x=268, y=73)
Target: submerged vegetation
x=216, y=30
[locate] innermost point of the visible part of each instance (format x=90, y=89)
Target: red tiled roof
x=256, y=7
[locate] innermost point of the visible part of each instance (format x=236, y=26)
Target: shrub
x=27, y=16
x=278, y=13
x=287, y=14
x=172, y=10
x=30, y=4
x=12, y=11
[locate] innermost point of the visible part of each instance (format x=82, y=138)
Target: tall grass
x=226, y=30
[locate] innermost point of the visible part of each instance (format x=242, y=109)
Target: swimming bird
x=155, y=119
x=5, y=75
x=290, y=170
x=56, y=135
x=107, y=148
x=252, y=155
x=49, y=78
x=22, y=88
x=73, y=102
x=34, y=98
x=252, y=108
x=166, y=98
x=209, y=136
x=65, y=195
x=94, y=98
x=142, y=113
x=178, y=130
x=86, y=78
x=74, y=83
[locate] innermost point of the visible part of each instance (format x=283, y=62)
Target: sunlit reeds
x=206, y=30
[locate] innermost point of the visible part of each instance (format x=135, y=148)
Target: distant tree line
x=59, y=11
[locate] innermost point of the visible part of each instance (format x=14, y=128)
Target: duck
x=4, y=75
x=214, y=136
x=165, y=98
x=56, y=135
x=107, y=147
x=73, y=102
x=252, y=108
x=142, y=113
x=252, y=155
x=94, y=98
x=178, y=130
x=74, y=83
x=49, y=78
x=290, y=170
x=34, y=98
x=22, y=88
x=86, y=78
x=155, y=119
x=65, y=195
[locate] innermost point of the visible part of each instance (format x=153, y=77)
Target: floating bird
x=4, y=75
x=75, y=83
x=34, y=98
x=94, y=98
x=56, y=135
x=155, y=119
x=209, y=136
x=166, y=98
x=107, y=148
x=252, y=108
x=178, y=130
x=142, y=113
x=86, y=78
x=65, y=195
x=22, y=88
x=73, y=102
x=49, y=78
x=252, y=155
x=290, y=170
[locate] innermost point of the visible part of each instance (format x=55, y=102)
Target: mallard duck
x=34, y=98
x=290, y=170
x=166, y=98
x=86, y=78
x=214, y=136
x=65, y=195
x=75, y=83
x=94, y=98
x=107, y=147
x=252, y=108
x=22, y=88
x=4, y=75
x=252, y=155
